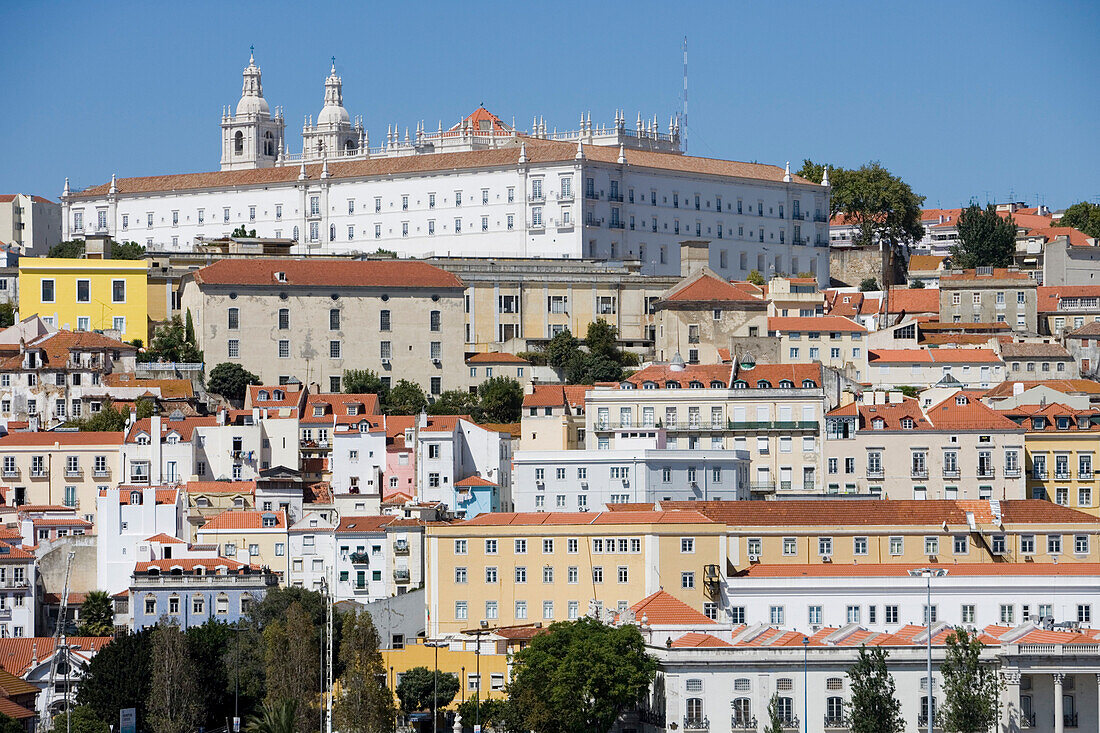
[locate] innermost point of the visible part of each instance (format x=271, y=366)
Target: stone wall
x=849, y=266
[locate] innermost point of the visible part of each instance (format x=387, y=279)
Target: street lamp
x=435, y=644
x=928, y=574
x=805, y=684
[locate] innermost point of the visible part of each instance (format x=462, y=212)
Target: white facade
x=589, y=480
x=357, y=461
x=362, y=559
x=474, y=190
x=456, y=450
x=125, y=520
x=312, y=552
x=167, y=460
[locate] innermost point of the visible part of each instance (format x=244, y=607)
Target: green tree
x=171, y=343
x=127, y=251
x=71, y=249
x=873, y=707
x=881, y=205
x=275, y=717
x=602, y=339
x=7, y=315
x=580, y=676
x=230, y=380
x=561, y=348
x=986, y=239
x=416, y=687
x=83, y=720
x=365, y=704
x=11, y=725
x=971, y=688
x=174, y=703
x=1084, y=217
x=118, y=677
x=364, y=381
x=585, y=368
x=406, y=398
x=206, y=646
x=492, y=711
x=917, y=284
x=97, y=615
x=775, y=723
x=240, y=232
x=501, y=399
x=455, y=402
x=756, y=278
x=110, y=419
x=868, y=284
x=291, y=662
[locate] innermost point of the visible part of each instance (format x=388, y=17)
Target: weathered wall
x=51, y=565
x=848, y=266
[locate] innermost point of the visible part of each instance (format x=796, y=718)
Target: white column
x=1010, y=701
x=1059, y=714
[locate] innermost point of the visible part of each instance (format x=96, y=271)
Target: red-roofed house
x=924, y=367
x=552, y=416
x=249, y=536
x=60, y=467
x=990, y=295
x=834, y=341
x=485, y=365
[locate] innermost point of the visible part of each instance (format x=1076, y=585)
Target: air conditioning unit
x=754, y=558
x=385, y=362
x=584, y=484
x=826, y=558
x=437, y=362
x=626, y=483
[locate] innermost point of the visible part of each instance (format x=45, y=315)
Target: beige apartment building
x=505, y=568
x=31, y=223
x=834, y=341
x=250, y=536
x=857, y=532
x=54, y=468
x=990, y=295
x=552, y=417
x=772, y=411
x=312, y=319
x=956, y=449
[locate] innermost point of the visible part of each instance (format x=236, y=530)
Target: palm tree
x=274, y=718
x=97, y=615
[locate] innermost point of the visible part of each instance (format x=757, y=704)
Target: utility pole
x=684, y=124
x=60, y=645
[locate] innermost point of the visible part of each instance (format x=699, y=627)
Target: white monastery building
x=480, y=188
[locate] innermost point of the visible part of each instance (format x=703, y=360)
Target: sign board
x=477, y=729
x=127, y=720
x=236, y=725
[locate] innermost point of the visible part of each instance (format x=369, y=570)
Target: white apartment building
x=161, y=451
x=774, y=412
x=30, y=223
x=590, y=480
x=18, y=591
x=126, y=519
x=970, y=368
x=479, y=188
x=362, y=558
x=312, y=551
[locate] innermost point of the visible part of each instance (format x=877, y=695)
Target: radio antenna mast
x=684, y=114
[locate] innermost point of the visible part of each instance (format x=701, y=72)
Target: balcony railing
x=836, y=721
x=820, y=218
x=950, y=473
x=401, y=575
x=1070, y=720
x=1039, y=475
x=39, y=473
x=11, y=473
x=617, y=197
x=696, y=724
x=617, y=225
x=565, y=196
x=762, y=486
x=73, y=473
x=401, y=547
x=987, y=472
x=592, y=195
x=875, y=473
x=535, y=198
x=101, y=473
x=1061, y=474
x=918, y=473
x=789, y=722
x=1082, y=475
x=1012, y=473
x=743, y=722
x=1027, y=721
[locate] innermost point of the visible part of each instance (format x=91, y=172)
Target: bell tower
x=251, y=136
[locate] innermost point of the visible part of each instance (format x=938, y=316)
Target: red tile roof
x=696, y=640
x=246, y=519
x=933, y=356
x=64, y=438
x=909, y=301
x=188, y=564
x=475, y=481
x=880, y=512
x=1076, y=238
x=727, y=374
x=925, y=263
x=1034, y=350
x=16, y=653
x=335, y=406
x=1050, y=295
x=557, y=395
x=710, y=288
x=170, y=389
x=363, y=524
x=974, y=415
x=664, y=609
x=220, y=487
x=319, y=273
x=56, y=348
x=1065, y=386
x=890, y=570
x=165, y=539
x=815, y=323
x=184, y=428
x=494, y=357
x=499, y=519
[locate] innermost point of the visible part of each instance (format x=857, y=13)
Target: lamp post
x=805, y=684
x=928, y=574
x=435, y=644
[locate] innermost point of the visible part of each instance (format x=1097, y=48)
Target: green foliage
x=174, y=704
x=579, y=676
x=11, y=725
x=774, y=723
x=365, y=704
x=189, y=328
x=908, y=390
x=230, y=381
x=560, y=349
x=380, y=252
x=756, y=278
x=109, y=419
x=1084, y=217
x=985, y=238
x=537, y=358
x=171, y=343
x=97, y=615
x=82, y=720
x=241, y=233
x=493, y=711
x=364, y=381
x=118, y=677
x=602, y=339
x=585, y=368
x=868, y=284
x=71, y=249
x=500, y=400
x=406, y=398
x=206, y=646
x=454, y=402
x=629, y=359
x=971, y=688
x=416, y=687
x=873, y=707
x=917, y=284
x=291, y=663
x=882, y=206
x=275, y=717
x=127, y=251
x=7, y=315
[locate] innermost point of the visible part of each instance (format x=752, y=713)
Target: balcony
x=401, y=547
x=1012, y=473
x=11, y=473
x=836, y=722
x=535, y=198
x=789, y=722
x=591, y=195
x=39, y=473
x=986, y=472
x=921, y=473
x=875, y=473
x=73, y=473
x=743, y=722
x=101, y=473
x=142, y=478
x=1027, y=720
x=950, y=473
x=616, y=197
x=820, y=218
x=1061, y=474
x=617, y=225
x=696, y=724
x=401, y=575
x=1081, y=475
x=565, y=197
x=1039, y=475
x=360, y=558
x=1070, y=720
x=762, y=486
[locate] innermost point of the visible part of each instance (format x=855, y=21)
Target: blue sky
x=962, y=99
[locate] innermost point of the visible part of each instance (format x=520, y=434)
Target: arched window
x=808, y=384
x=295, y=234
x=695, y=384
x=742, y=712
x=269, y=144
x=320, y=147
x=135, y=497
x=238, y=142
x=332, y=233
x=715, y=384
x=763, y=384
x=279, y=395
x=694, y=712
x=262, y=395
x=349, y=147
x=923, y=720
x=740, y=384
x=786, y=384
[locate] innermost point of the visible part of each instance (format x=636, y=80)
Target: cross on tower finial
x=251, y=54
x=333, y=64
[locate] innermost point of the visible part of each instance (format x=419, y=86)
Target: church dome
x=253, y=105
x=333, y=115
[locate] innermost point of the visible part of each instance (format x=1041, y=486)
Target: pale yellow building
x=256, y=537
x=552, y=417
x=507, y=568
x=66, y=468
x=458, y=657
x=834, y=341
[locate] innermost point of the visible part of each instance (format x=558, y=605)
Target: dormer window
x=172, y=439
x=353, y=409
x=280, y=277
x=672, y=385
x=278, y=395
x=961, y=400
x=1082, y=423
x=262, y=396
x=763, y=384
x=1063, y=423
x=740, y=384
x=808, y=384
x=786, y=384
x=878, y=424
x=649, y=385
x=135, y=497
x=1038, y=423
x=318, y=410
x=143, y=439
x=907, y=423
x=268, y=520
x=695, y=384
x=717, y=385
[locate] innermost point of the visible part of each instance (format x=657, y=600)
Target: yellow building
x=86, y=295
x=513, y=568
x=1060, y=445
x=459, y=657
x=250, y=536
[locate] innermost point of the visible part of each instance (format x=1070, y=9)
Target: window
x=490, y=574
x=960, y=545
x=687, y=580
x=334, y=319
x=790, y=546
x=814, y=615
x=460, y=547
x=1008, y=613
x=284, y=349
x=334, y=349
x=687, y=544
x=931, y=545
x=968, y=613
x=48, y=291
x=118, y=291
x=891, y=614
x=1054, y=544
x=1027, y=544
x=775, y=615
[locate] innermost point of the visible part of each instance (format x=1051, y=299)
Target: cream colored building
x=312, y=319
x=256, y=537
x=31, y=223
x=552, y=417
x=834, y=341
x=523, y=568
x=957, y=448
x=52, y=468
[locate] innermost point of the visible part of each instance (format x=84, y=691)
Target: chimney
x=223, y=415
x=694, y=256
x=155, y=474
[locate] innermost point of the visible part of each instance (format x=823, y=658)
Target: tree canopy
x=986, y=239
x=499, y=400
x=173, y=342
x=881, y=205
x=174, y=704
x=873, y=707
x=579, y=676
x=365, y=704
x=118, y=677
x=74, y=249
x=365, y=381
x=406, y=398
x=454, y=402
x=97, y=615
x=230, y=380
x=110, y=419
x=1084, y=217
x=81, y=720
x=417, y=685
x=971, y=687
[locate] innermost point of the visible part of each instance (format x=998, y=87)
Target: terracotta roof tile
x=188, y=564
x=165, y=539
x=557, y=395
x=1065, y=386
x=925, y=263
x=246, y=519
x=170, y=389
x=1016, y=350
x=909, y=301
x=220, y=487
x=710, y=288
x=494, y=357
x=363, y=524
x=16, y=653
x=47, y=438
x=664, y=609
x=697, y=640
x=475, y=481
x=184, y=428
